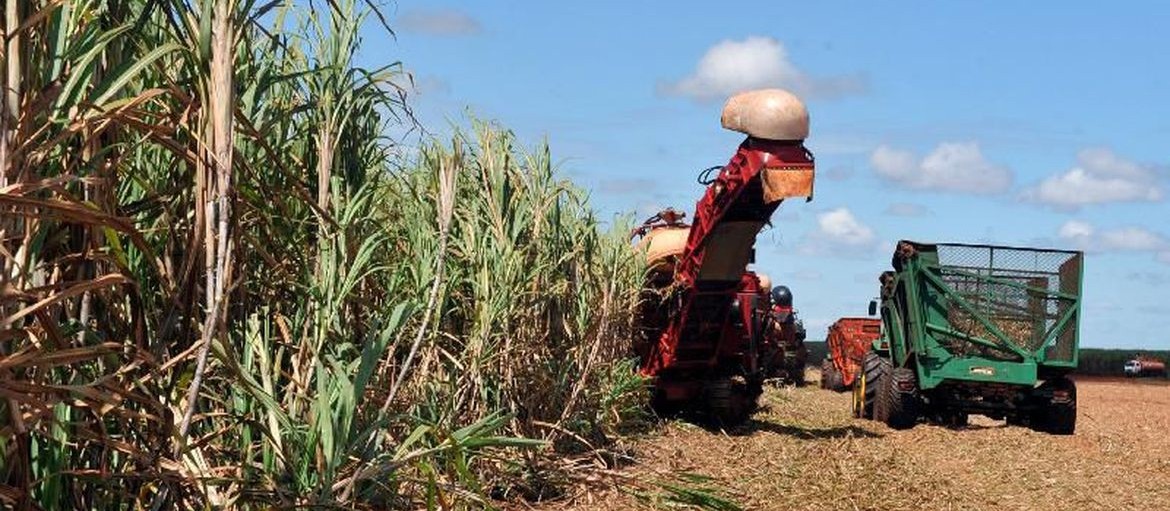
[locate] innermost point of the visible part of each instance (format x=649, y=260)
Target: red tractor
x=706, y=319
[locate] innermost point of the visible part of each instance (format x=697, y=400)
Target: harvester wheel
x=729, y=402
x=663, y=407
x=798, y=375
x=1059, y=416
x=901, y=396
x=798, y=365
x=876, y=369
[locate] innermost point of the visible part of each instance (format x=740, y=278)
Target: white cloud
x=411, y=83
x=1152, y=278
x=807, y=274
x=837, y=173
x=1075, y=230
x=626, y=186
x=1084, y=236
x=441, y=22
x=907, y=209
x=431, y=85
x=951, y=167
x=756, y=62
x=839, y=232
x=1100, y=177
x=840, y=226
x=1133, y=239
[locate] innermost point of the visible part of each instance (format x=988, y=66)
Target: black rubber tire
x=831, y=378
x=958, y=420
x=952, y=419
x=728, y=402
x=1059, y=417
x=838, y=381
x=874, y=372
x=799, y=362
x=797, y=375
x=877, y=383
x=904, y=408
x=826, y=368
x=663, y=407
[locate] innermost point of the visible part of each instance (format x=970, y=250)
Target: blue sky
x=1018, y=124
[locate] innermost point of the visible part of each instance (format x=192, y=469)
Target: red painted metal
x=702, y=335
x=848, y=341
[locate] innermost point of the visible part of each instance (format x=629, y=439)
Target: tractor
x=975, y=329
x=709, y=332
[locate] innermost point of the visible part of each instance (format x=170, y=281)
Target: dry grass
x=804, y=451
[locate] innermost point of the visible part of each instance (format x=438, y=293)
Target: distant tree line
x=1093, y=361
x=1110, y=362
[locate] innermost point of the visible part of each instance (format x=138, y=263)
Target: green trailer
x=975, y=329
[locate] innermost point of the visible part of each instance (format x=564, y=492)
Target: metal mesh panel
x=1014, y=290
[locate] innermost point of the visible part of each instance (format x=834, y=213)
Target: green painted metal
x=982, y=313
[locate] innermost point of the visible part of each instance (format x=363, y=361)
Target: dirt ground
x=803, y=450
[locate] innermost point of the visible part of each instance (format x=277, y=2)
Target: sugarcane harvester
x=705, y=317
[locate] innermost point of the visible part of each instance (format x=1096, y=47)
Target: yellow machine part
x=663, y=245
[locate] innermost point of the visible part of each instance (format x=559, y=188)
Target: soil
x=803, y=450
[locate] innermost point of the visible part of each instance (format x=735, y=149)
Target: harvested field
x=804, y=451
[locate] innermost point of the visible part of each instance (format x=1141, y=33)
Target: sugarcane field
x=373, y=255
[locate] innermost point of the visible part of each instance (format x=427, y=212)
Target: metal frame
x=923, y=337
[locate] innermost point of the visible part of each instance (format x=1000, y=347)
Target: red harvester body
x=706, y=317
x=848, y=341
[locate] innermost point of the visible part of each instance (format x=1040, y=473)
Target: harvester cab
x=705, y=314
x=976, y=329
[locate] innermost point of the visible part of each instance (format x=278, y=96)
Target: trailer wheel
x=901, y=395
x=875, y=372
x=1059, y=415
x=953, y=419
x=836, y=381
x=831, y=378
x=883, y=395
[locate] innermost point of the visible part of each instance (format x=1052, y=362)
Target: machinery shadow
x=976, y=427
x=809, y=433
x=755, y=425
